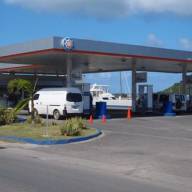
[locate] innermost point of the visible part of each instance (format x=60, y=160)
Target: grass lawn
x=37, y=131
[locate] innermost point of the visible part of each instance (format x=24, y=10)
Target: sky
x=158, y=23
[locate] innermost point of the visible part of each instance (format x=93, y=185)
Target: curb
x=51, y=141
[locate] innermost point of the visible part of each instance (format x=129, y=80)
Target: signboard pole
x=47, y=122
x=134, y=85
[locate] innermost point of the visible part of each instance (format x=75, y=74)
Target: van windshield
x=74, y=97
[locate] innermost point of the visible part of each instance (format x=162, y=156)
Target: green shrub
x=37, y=121
x=72, y=127
x=7, y=116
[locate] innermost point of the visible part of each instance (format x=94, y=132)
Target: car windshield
x=36, y=97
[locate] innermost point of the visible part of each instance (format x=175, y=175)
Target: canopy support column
x=69, y=71
x=134, y=85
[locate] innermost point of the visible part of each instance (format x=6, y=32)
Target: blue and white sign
x=67, y=43
x=141, y=77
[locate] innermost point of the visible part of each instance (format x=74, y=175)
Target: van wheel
x=56, y=114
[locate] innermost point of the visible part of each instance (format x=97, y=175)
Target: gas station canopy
x=51, y=55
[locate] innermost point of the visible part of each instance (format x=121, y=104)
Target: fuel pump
x=146, y=97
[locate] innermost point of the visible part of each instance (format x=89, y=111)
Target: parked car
x=58, y=102
x=179, y=101
x=189, y=103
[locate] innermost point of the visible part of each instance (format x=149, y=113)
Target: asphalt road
x=144, y=154
x=21, y=172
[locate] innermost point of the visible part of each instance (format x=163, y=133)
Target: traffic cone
x=91, y=119
x=103, y=119
x=129, y=115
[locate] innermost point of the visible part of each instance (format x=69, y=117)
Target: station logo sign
x=67, y=43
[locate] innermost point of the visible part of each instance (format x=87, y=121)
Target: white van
x=58, y=102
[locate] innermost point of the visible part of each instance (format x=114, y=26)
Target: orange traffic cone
x=91, y=119
x=129, y=115
x=103, y=119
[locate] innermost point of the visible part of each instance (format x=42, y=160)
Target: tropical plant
x=24, y=86
x=72, y=127
x=7, y=116
x=37, y=121
x=21, y=105
x=18, y=85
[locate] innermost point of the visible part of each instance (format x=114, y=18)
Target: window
x=177, y=97
x=36, y=97
x=105, y=98
x=74, y=97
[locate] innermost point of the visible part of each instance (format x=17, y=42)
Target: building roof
x=49, y=56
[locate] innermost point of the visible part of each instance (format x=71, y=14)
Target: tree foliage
x=177, y=88
x=22, y=85
x=17, y=85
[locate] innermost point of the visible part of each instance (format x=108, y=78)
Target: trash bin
x=168, y=111
x=101, y=109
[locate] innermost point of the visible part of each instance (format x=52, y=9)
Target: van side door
x=38, y=103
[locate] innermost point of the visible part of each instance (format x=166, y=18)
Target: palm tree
x=23, y=86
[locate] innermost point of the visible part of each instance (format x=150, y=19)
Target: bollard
x=103, y=119
x=129, y=115
x=91, y=119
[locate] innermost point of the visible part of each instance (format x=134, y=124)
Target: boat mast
x=120, y=81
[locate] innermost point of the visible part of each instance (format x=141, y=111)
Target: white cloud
x=182, y=7
x=96, y=8
x=108, y=8
x=153, y=41
x=186, y=43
